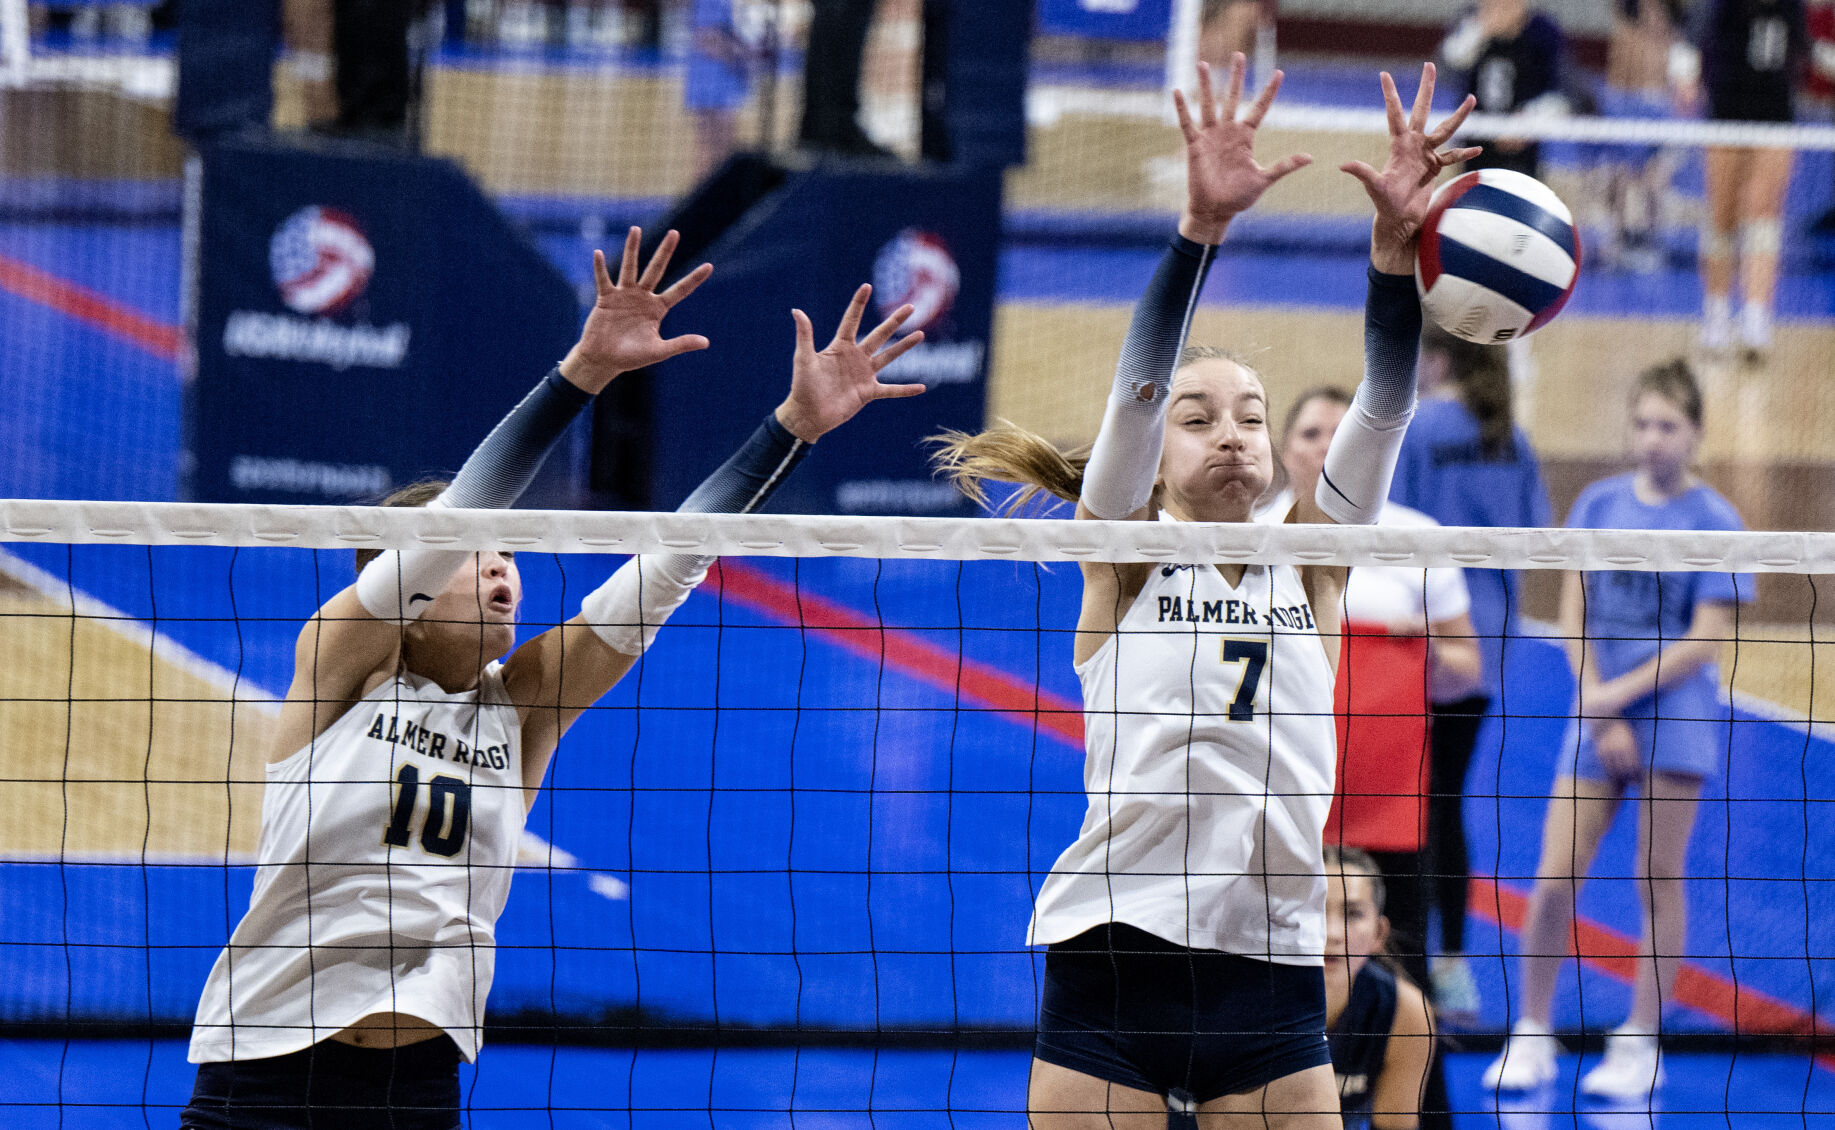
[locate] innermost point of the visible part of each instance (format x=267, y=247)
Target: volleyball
x=1498, y=256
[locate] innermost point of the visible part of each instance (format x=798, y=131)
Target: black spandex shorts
x=1134, y=1009
x=331, y=1086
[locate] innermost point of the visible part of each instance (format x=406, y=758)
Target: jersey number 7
x=1253, y=655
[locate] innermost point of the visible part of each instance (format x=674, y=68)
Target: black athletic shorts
x=1134, y=1009
x=331, y=1086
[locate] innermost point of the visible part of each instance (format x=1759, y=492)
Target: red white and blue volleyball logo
x=1498, y=256
x=915, y=266
x=321, y=260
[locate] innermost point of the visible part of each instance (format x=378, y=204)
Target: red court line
x=909, y=654
x=1741, y=1008
x=161, y=339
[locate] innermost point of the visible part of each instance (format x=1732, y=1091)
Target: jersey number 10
x=448, y=812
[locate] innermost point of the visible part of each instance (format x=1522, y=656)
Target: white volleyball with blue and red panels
x=1498, y=256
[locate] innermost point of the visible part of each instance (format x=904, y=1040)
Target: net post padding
x=1024, y=539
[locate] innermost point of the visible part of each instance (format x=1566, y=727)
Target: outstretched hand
x=1406, y=183
x=624, y=329
x=1222, y=176
x=828, y=388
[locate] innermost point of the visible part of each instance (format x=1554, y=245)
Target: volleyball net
x=815, y=817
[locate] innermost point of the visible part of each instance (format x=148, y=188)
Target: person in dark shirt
x=1378, y=1023
x=1744, y=58
x=1508, y=56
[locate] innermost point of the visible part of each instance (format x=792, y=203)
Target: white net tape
x=1045, y=105
x=1024, y=539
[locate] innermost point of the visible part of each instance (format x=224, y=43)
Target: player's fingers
x=1454, y=156
x=1392, y=106
x=1184, y=112
x=687, y=343
x=1451, y=125
x=1288, y=164
x=1423, y=99
x=686, y=285
x=849, y=329
x=659, y=262
x=627, y=270
x=896, y=392
x=1207, y=96
x=896, y=350
x=602, y=279
x=1232, y=98
x=883, y=332
x=805, y=333
x=1362, y=172
x=1259, y=109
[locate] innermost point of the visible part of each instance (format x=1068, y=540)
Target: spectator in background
x=1509, y=57
x=1745, y=55
x=1465, y=462
x=1649, y=719
x=359, y=64
x=1637, y=86
x=831, y=78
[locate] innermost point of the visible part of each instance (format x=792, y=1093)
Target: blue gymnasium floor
x=904, y=839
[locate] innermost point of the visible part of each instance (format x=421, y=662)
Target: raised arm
x=1361, y=461
x=1222, y=180
x=355, y=639
x=558, y=675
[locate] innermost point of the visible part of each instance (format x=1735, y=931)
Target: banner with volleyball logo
x=360, y=317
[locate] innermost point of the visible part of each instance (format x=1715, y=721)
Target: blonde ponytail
x=1009, y=454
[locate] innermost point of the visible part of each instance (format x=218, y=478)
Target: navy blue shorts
x=331, y=1086
x=1139, y=1011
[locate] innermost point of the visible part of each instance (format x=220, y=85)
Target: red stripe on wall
x=161, y=339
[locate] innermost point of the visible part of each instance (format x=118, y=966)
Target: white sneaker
x=1527, y=1062
x=1631, y=1068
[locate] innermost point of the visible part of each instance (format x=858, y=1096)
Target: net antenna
x=134, y=70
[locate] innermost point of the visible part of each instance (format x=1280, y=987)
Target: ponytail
x=1009, y=454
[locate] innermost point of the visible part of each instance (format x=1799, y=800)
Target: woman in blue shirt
x=1649, y=716
x=1464, y=462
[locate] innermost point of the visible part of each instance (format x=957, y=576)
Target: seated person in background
x=1379, y=1025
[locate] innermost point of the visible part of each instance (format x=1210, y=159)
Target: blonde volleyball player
x=408, y=752
x=1187, y=922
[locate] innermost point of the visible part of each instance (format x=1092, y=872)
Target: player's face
x=1353, y=928
x=1663, y=438
x=478, y=606
x=1218, y=459
x=1303, y=456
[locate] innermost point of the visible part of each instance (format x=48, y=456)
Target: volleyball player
x=1746, y=55
x=1649, y=717
x=408, y=751
x=1186, y=923
x=1379, y=1025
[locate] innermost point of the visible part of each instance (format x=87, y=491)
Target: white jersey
x=1209, y=753
x=386, y=851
